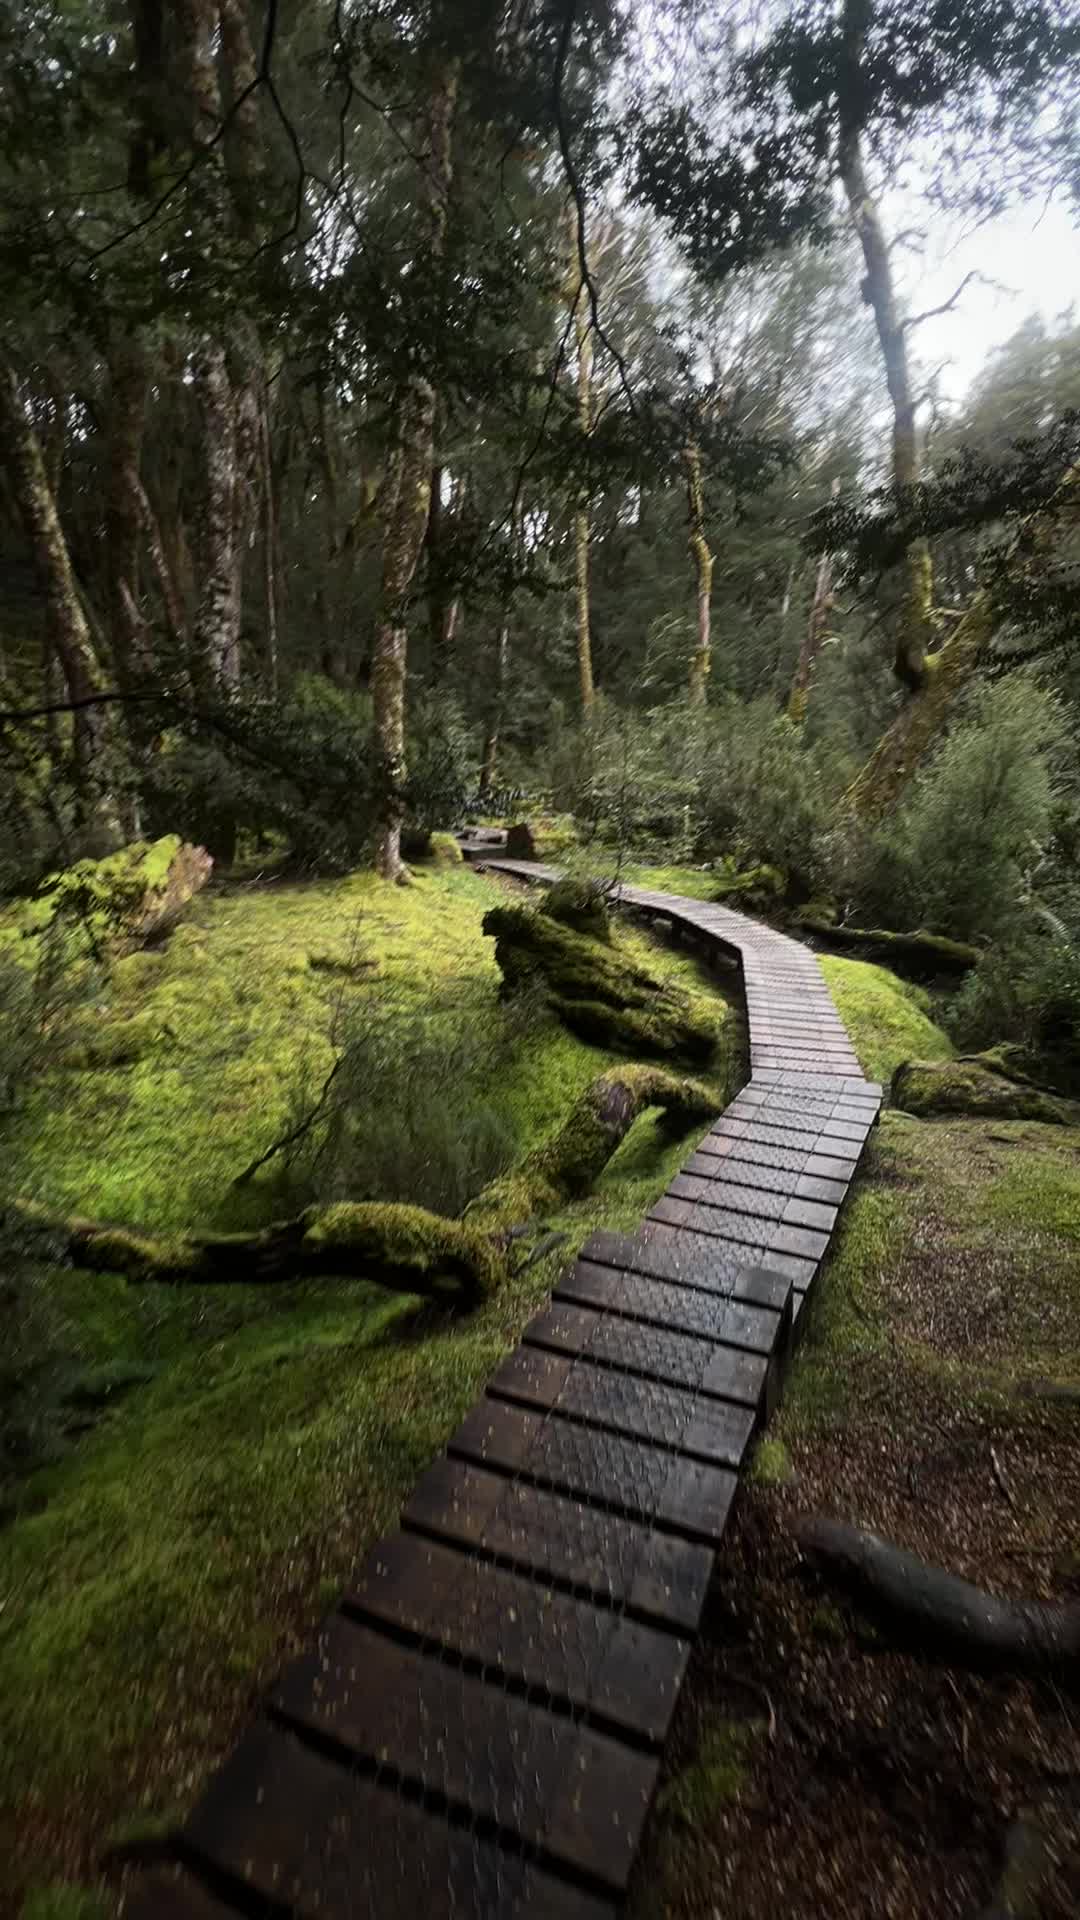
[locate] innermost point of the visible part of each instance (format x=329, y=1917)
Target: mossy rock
x=131, y=896
x=582, y=905
x=771, y=1465
x=975, y=1085
x=598, y=993
x=916, y=956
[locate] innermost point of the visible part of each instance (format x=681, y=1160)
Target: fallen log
x=407, y=1248
x=944, y=1615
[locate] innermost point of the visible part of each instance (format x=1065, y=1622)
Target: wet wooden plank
x=645, y=1409
x=309, y=1834
x=696, y=1261
x=524, y=1631
x=655, y=1576
x=641, y=1481
x=728, y=1373
x=788, y=1209
x=664, y=1303
x=536, y=1775
x=765, y=1237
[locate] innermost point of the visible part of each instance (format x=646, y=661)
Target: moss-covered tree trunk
x=701, y=658
x=94, y=731
x=408, y=495
x=490, y=761
x=921, y=721
x=914, y=627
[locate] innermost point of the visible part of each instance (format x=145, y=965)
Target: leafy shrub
x=762, y=797
x=982, y=814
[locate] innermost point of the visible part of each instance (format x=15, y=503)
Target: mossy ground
x=917, y=1405
x=888, y=1019
x=159, y=1570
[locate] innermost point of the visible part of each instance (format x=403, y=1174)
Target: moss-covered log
x=596, y=990
x=404, y=1247
x=569, y=1164
x=939, y=1613
x=976, y=1084
x=917, y=956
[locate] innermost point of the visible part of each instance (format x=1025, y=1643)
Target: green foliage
x=717, y=1774
x=975, y=824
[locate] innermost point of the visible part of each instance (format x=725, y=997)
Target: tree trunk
x=69, y=636
x=920, y=722
x=502, y=676
x=914, y=621
x=701, y=658
x=408, y=490
x=128, y=384
x=583, y=334
x=217, y=619
x=813, y=638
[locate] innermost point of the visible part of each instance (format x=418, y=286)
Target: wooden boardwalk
x=476, y=1731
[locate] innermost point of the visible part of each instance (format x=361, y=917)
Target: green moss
x=62, y=1900
x=717, y=1775
x=771, y=1465
x=96, y=1043
x=581, y=905
x=970, y=1086
x=173, y=1555
x=918, y=956
x=601, y=992
x=827, y=1623
x=887, y=1019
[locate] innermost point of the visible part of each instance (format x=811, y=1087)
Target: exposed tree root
x=403, y=1247
x=944, y=1615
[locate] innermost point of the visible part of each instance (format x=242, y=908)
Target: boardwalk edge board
x=476, y=1730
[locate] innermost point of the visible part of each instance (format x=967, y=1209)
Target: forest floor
x=815, y=1769
x=214, y=1461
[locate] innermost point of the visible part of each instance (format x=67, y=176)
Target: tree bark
x=128, y=385
x=813, y=638
x=701, y=658
x=94, y=731
x=408, y=494
x=502, y=676
x=583, y=336
x=914, y=618
x=920, y=722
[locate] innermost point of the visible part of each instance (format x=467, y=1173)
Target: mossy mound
x=756, y=888
x=98, y=1043
x=582, y=905
x=917, y=956
x=596, y=991
x=976, y=1084
x=132, y=896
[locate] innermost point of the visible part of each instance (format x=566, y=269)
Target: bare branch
x=916, y=319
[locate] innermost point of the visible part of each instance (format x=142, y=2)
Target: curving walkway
x=476, y=1732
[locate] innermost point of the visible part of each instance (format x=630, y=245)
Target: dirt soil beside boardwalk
x=817, y=1768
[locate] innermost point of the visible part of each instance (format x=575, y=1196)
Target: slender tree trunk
x=69, y=635
x=583, y=334
x=172, y=603
x=701, y=659
x=269, y=532
x=502, y=678
x=128, y=384
x=813, y=638
x=217, y=619
x=914, y=618
x=409, y=500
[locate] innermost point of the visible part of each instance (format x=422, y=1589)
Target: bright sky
x=1032, y=253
